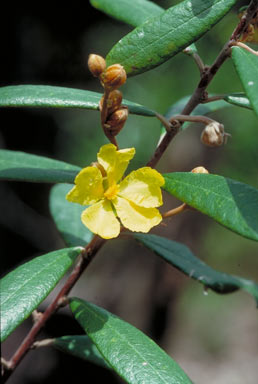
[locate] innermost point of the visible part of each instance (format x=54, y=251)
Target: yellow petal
x=88, y=187
x=101, y=220
x=115, y=161
x=143, y=187
x=135, y=218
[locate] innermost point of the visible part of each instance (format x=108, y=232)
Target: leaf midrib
x=231, y=200
x=127, y=342
x=142, y=49
x=33, y=277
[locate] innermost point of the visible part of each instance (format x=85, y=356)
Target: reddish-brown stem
x=213, y=98
x=84, y=260
x=194, y=119
x=206, y=78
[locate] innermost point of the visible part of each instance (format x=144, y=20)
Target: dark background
x=41, y=45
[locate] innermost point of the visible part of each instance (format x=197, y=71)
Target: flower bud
x=213, y=134
x=199, y=170
x=116, y=121
x=96, y=64
x=113, y=102
x=114, y=76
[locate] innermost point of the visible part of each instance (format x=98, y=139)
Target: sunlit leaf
x=59, y=97
x=229, y=202
x=135, y=357
x=163, y=36
x=246, y=64
x=23, y=289
x=134, y=13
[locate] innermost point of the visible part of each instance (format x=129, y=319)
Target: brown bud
x=113, y=102
x=199, y=170
x=213, y=134
x=116, y=121
x=96, y=64
x=114, y=76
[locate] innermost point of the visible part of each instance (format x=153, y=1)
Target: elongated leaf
x=26, y=167
x=163, y=36
x=201, y=109
x=67, y=217
x=246, y=64
x=23, y=289
x=182, y=258
x=131, y=12
x=80, y=346
x=59, y=97
x=229, y=202
x=135, y=357
x=134, y=13
x=238, y=99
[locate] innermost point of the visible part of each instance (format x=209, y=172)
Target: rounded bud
x=114, y=101
x=116, y=121
x=199, y=170
x=96, y=64
x=213, y=134
x=114, y=76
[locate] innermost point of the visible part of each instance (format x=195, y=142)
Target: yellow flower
x=132, y=202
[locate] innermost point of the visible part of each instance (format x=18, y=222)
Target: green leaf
x=229, y=202
x=59, y=97
x=135, y=357
x=23, y=289
x=134, y=12
x=26, y=167
x=80, y=346
x=182, y=258
x=246, y=64
x=163, y=36
x=67, y=217
x=238, y=99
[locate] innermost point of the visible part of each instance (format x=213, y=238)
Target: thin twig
x=212, y=98
x=198, y=62
x=164, y=121
x=206, y=78
x=193, y=119
x=242, y=45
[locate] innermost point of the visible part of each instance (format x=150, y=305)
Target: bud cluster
x=110, y=104
x=111, y=77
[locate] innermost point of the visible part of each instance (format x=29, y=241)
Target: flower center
x=111, y=192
